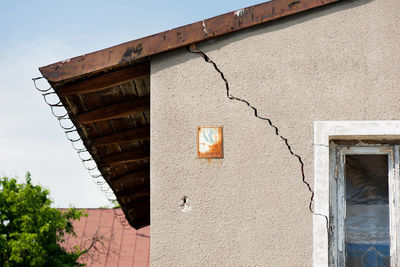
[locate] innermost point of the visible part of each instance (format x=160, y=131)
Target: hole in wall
x=184, y=204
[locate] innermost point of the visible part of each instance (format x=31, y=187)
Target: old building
x=301, y=98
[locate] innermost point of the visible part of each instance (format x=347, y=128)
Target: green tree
x=30, y=230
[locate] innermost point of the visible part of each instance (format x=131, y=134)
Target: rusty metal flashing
x=135, y=51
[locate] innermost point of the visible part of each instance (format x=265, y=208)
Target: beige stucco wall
x=251, y=208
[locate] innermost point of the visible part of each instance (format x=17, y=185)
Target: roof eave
x=139, y=50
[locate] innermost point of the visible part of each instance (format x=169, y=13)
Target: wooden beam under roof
x=138, y=202
x=134, y=175
x=132, y=200
x=134, y=51
x=104, y=81
x=136, y=155
x=139, y=222
x=135, y=191
x=136, y=134
x=115, y=111
x=130, y=180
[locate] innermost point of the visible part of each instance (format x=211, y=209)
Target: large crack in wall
x=195, y=50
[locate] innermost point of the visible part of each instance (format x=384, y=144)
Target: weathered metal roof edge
x=130, y=52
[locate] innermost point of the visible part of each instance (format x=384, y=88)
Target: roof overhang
x=106, y=94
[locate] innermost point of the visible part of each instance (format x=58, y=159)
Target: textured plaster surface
x=251, y=207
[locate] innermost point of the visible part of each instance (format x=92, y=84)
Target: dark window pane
x=367, y=211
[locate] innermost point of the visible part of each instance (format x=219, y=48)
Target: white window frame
x=337, y=189
x=324, y=131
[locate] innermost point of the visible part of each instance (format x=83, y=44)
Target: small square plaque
x=209, y=142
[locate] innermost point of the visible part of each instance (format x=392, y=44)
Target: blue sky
x=38, y=33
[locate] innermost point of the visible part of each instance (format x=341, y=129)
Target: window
x=362, y=219
x=356, y=184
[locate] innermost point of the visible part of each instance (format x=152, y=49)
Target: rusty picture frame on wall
x=209, y=142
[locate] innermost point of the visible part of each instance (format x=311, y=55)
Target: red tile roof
x=118, y=244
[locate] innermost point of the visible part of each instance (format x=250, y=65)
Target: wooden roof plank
x=134, y=175
x=135, y=191
x=114, y=111
x=135, y=201
x=104, y=81
x=124, y=157
x=139, y=222
x=136, y=134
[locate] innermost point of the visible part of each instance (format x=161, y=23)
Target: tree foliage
x=30, y=230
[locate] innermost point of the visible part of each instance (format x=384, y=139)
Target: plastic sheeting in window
x=367, y=211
